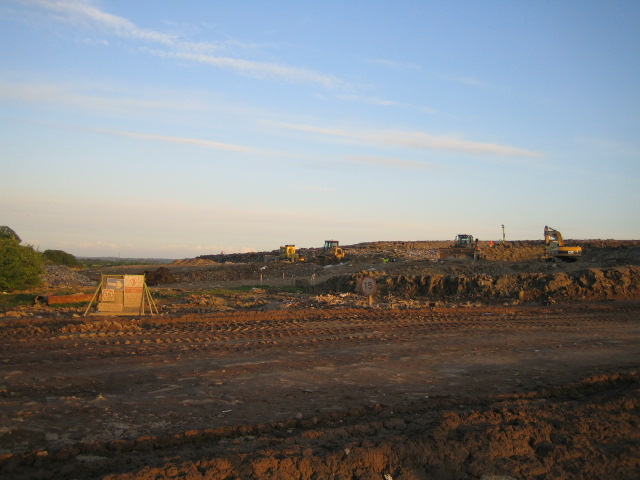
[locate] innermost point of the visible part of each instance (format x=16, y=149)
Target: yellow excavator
x=556, y=249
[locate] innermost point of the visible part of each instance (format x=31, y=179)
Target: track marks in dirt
x=567, y=430
x=191, y=373
x=289, y=329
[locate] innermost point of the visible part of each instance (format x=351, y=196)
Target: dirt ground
x=473, y=382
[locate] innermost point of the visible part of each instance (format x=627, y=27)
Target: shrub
x=6, y=232
x=20, y=265
x=60, y=257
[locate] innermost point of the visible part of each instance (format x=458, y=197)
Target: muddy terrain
x=508, y=367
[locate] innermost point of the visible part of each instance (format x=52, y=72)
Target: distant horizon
x=497, y=241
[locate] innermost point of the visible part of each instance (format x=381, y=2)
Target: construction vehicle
x=331, y=253
x=288, y=253
x=464, y=246
x=556, y=249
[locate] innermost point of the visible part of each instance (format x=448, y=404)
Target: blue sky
x=175, y=129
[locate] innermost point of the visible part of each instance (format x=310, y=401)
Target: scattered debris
x=63, y=276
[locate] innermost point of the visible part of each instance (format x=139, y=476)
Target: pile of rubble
x=160, y=276
x=251, y=272
x=204, y=303
x=62, y=276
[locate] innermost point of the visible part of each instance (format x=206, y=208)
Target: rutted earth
x=504, y=368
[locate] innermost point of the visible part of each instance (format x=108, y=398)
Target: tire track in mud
x=261, y=327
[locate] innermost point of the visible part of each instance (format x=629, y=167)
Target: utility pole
x=503, y=233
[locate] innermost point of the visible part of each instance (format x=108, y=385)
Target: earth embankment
x=616, y=283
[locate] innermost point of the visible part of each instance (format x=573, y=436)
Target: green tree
x=21, y=266
x=60, y=257
x=6, y=232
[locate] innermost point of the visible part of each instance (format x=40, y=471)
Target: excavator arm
x=551, y=234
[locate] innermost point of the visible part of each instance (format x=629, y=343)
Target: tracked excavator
x=556, y=249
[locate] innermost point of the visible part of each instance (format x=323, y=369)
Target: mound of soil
x=193, y=262
x=160, y=276
x=620, y=283
x=511, y=273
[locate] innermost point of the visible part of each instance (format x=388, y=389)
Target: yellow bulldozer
x=556, y=249
x=330, y=253
x=464, y=246
x=288, y=253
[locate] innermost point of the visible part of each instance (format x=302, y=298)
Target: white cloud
x=184, y=140
x=386, y=103
x=425, y=141
x=260, y=69
x=85, y=14
x=89, y=97
x=418, y=140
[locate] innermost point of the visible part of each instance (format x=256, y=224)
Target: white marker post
x=368, y=287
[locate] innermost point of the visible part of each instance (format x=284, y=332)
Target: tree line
x=22, y=266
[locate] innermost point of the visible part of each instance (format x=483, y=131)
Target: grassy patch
x=17, y=299
x=296, y=290
x=230, y=291
x=124, y=262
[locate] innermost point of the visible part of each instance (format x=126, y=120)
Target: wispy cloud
x=90, y=97
x=396, y=65
x=260, y=69
x=183, y=140
x=386, y=103
x=418, y=140
x=85, y=14
x=425, y=141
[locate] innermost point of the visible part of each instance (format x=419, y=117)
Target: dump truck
x=555, y=248
x=464, y=246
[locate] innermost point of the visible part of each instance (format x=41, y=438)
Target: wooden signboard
x=123, y=295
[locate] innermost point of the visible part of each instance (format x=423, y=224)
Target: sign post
x=368, y=287
x=123, y=295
